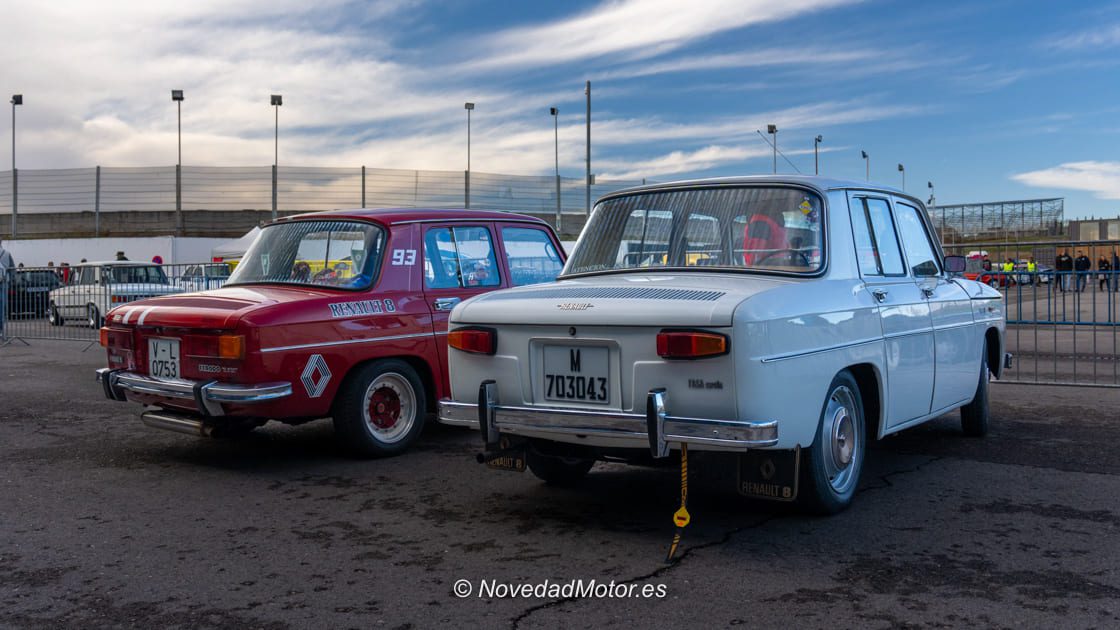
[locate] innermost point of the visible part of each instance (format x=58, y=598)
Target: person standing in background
x=1081, y=265
x=1063, y=264
x=7, y=268
x=1115, y=270
x=1104, y=266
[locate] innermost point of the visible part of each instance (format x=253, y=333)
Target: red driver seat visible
x=762, y=233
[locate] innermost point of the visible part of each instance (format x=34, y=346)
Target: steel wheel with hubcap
x=379, y=410
x=831, y=467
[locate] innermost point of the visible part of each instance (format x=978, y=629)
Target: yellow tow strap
x=680, y=517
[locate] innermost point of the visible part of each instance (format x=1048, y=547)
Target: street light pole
x=177, y=96
x=276, y=100
x=773, y=130
x=467, y=187
x=587, y=91
x=867, y=164
x=902, y=169
x=556, y=150
x=816, y=154
x=17, y=99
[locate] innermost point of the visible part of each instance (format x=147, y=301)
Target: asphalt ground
x=106, y=523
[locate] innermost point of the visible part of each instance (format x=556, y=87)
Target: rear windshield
x=37, y=278
x=133, y=275
x=756, y=228
x=342, y=254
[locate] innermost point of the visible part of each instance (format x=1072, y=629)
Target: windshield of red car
x=744, y=228
x=340, y=254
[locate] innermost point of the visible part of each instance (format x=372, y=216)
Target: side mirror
x=954, y=264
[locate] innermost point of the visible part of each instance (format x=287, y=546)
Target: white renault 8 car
x=784, y=320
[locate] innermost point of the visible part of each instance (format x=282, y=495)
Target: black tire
x=380, y=409
x=974, y=415
x=93, y=317
x=558, y=471
x=53, y=316
x=831, y=466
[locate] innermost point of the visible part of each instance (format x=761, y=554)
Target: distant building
x=995, y=220
x=1095, y=229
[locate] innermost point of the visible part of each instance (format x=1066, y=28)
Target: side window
x=459, y=257
x=919, y=252
x=876, y=245
x=531, y=256
x=89, y=275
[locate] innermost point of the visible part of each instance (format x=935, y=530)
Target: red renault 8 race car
x=341, y=314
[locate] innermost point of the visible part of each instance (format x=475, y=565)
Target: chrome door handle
x=880, y=294
x=445, y=304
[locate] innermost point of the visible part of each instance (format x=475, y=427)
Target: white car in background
x=96, y=287
x=776, y=323
x=203, y=277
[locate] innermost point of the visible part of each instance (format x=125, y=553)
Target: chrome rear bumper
x=207, y=395
x=657, y=429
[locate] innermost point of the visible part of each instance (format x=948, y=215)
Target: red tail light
x=690, y=344
x=476, y=340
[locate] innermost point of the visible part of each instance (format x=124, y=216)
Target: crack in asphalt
x=515, y=623
x=660, y=571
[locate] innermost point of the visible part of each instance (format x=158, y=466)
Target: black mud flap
x=769, y=475
x=510, y=455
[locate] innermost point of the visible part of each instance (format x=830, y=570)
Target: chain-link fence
x=93, y=201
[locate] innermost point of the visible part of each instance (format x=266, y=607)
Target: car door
x=459, y=263
x=530, y=254
x=956, y=346
x=903, y=309
x=73, y=294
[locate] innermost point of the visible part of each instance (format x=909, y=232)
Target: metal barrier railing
x=1062, y=326
x=1063, y=317
x=69, y=303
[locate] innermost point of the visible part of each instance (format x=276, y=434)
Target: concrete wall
x=39, y=252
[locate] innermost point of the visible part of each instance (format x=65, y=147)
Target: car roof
x=395, y=216
x=821, y=184
x=113, y=263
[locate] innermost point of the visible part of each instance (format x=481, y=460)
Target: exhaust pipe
x=176, y=423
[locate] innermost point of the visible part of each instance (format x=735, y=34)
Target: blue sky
x=989, y=100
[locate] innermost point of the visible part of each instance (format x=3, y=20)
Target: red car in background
x=340, y=314
x=975, y=269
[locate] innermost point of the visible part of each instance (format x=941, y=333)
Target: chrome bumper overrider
x=207, y=395
x=656, y=428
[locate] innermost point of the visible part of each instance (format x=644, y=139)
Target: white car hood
x=690, y=299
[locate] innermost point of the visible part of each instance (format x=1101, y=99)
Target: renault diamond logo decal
x=315, y=376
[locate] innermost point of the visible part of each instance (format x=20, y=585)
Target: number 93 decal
x=404, y=257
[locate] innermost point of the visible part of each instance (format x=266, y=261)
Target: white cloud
x=1103, y=36
x=1100, y=178
x=96, y=79
x=635, y=28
